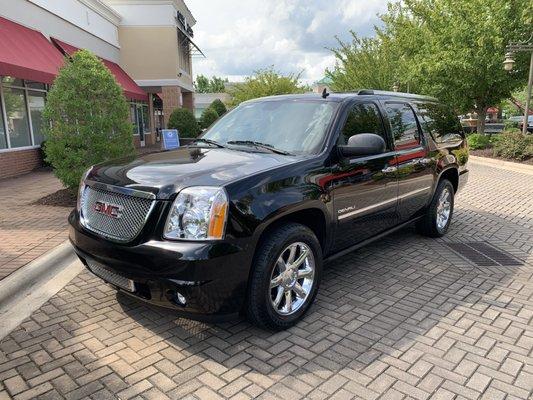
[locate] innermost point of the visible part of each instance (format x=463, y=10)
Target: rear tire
x=438, y=216
x=282, y=288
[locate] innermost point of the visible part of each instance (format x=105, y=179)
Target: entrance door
x=140, y=124
x=365, y=189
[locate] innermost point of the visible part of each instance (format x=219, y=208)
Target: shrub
x=86, y=116
x=478, y=141
x=219, y=107
x=512, y=144
x=184, y=121
x=209, y=115
x=510, y=124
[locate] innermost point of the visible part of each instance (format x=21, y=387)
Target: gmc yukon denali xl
x=241, y=219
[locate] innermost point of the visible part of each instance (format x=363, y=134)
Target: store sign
x=171, y=139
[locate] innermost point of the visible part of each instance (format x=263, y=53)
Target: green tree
x=219, y=107
x=209, y=115
x=184, y=121
x=202, y=84
x=266, y=82
x=450, y=49
x=217, y=85
x=87, y=118
x=214, y=85
x=371, y=63
x=454, y=48
x=516, y=103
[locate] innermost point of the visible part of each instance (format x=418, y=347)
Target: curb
x=506, y=165
x=21, y=282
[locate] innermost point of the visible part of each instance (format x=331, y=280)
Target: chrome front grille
x=123, y=226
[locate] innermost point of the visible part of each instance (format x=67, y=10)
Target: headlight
x=82, y=188
x=198, y=213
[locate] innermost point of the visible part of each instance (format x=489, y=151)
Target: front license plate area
x=111, y=277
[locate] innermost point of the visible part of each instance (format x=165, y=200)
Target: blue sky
x=239, y=37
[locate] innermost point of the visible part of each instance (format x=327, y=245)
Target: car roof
x=342, y=96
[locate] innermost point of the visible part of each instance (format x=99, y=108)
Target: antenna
x=325, y=93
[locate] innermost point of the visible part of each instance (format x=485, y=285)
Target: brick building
x=146, y=45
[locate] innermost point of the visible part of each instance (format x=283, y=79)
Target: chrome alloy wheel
x=292, y=278
x=444, y=208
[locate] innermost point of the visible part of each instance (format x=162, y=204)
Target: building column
x=171, y=96
x=188, y=100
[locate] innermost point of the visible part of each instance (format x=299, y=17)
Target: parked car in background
x=529, y=123
x=242, y=220
x=517, y=120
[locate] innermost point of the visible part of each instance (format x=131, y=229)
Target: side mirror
x=363, y=144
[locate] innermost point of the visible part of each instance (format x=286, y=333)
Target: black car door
x=365, y=188
x=414, y=164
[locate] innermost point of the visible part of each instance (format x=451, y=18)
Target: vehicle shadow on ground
x=379, y=306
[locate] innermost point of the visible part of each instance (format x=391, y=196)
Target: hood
x=165, y=173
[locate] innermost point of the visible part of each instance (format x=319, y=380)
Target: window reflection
x=440, y=122
x=362, y=118
x=36, y=101
x=403, y=125
x=296, y=126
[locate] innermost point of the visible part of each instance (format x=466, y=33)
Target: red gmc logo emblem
x=111, y=210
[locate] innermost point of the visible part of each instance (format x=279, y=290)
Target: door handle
x=388, y=170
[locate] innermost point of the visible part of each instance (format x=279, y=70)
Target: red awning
x=131, y=89
x=27, y=54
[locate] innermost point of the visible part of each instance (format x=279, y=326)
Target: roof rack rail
x=365, y=91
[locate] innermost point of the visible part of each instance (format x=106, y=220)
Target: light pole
x=508, y=65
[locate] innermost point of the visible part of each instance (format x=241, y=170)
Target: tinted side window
x=403, y=125
x=362, y=118
x=440, y=122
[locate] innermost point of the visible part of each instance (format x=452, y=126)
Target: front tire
x=285, y=277
x=436, y=221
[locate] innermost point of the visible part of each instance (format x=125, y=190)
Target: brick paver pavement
x=27, y=231
x=402, y=318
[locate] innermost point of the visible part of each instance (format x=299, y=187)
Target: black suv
x=242, y=219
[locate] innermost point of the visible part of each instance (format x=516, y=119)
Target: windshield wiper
x=258, y=144
x=208, y=141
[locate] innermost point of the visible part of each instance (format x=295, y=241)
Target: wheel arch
x=312, y=217
x=452, y=174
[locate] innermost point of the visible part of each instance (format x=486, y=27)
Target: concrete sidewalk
x=27, y=231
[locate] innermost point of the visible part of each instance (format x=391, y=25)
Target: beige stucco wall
x=149, y=52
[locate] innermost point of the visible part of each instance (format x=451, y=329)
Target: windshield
x=293, y=126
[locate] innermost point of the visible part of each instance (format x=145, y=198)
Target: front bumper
x=211, y=276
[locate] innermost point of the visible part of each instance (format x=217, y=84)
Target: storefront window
x=35, y=85
x=17, y=117
x=9, y=80
x=36, y=101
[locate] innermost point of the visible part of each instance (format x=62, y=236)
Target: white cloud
x=239, y=37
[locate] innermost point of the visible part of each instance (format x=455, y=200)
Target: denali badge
x=111, y=210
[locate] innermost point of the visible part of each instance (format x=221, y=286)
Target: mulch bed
x=489, y=154
x=61, y=198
